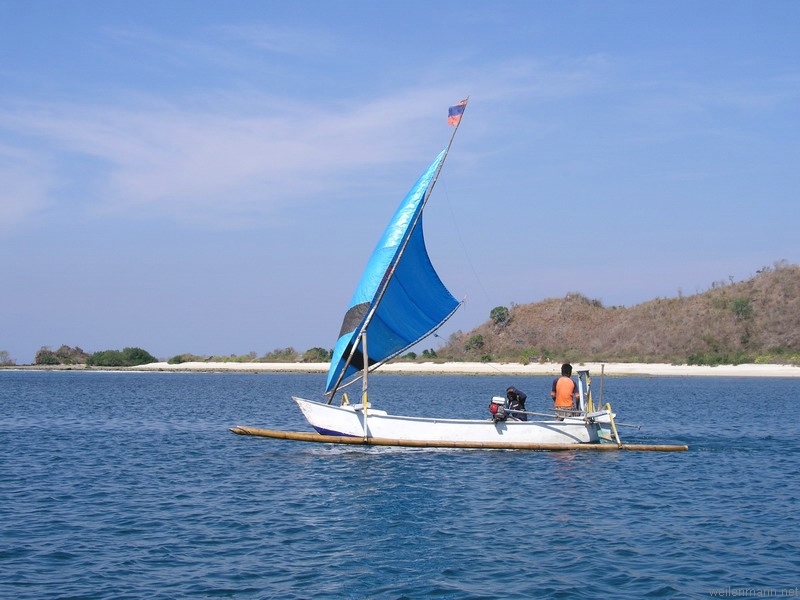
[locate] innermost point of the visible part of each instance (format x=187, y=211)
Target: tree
x=45, y=356
x=499, y=315
x=316, y=355
x=5, y=359
x=474, y=343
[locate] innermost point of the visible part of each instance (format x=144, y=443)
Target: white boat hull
x=349, y=421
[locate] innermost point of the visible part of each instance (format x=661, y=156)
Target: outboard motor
x=497, y=408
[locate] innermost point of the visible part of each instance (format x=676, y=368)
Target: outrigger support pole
x=364, y=396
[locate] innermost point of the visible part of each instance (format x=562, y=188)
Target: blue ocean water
x=129, y=485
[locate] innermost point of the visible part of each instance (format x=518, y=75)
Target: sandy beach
x=610, y=369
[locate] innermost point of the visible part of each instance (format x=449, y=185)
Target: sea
x=124, y=485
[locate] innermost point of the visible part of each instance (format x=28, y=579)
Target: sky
x=211, y=177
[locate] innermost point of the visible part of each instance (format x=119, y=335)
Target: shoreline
x=450, y=368
x=453, y=368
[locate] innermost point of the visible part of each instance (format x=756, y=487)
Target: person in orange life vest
x=565, y=392
x=515, y=400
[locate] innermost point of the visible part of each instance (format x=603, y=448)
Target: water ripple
x=129, y=486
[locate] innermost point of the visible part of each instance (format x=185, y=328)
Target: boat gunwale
x=381, y=414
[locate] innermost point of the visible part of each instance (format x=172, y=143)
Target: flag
x=454, y=113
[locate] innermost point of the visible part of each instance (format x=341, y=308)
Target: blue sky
x=211, y=177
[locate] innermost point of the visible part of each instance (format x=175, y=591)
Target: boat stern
x=603, y=425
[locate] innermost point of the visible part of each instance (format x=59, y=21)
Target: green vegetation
x=316, y=355
x=63, y=356
x=474, y=344
x=183, y=358
x=280, y=355
x=6, y=360
x=46, y=358
x=128, y=357
x=742, y=308
x=499, y=315
x=428, y=354
x=530, y=355
x=283, y=355
x=719, y=358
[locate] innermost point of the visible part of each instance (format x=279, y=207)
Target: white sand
x=750, y=370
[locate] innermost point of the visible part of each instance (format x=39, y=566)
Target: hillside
x=757, y=320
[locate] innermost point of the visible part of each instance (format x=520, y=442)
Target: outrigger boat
x=503, y=429
x=399, y=301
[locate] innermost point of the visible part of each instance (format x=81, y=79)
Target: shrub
x=474, y=343
x=288, y=354
x=137, y=356
x=742, y=308
x=105, y=358
x=128, y=357
x=182, y=358
x=714, y=358
x=529, y=355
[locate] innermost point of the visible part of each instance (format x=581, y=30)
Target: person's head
x=566, y=370
x=511, y=393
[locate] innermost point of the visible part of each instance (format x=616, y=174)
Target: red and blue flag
x=454, y=113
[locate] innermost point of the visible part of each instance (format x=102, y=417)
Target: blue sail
x=400, y=298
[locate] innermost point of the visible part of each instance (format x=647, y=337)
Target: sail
x=400, y=298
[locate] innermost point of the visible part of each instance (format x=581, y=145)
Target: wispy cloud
x=232, y=157
x=305, y=42
x=25, y=180
x=231, y=48
x=239, y=150
x=211, y=164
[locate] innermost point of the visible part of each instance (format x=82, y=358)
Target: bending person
x=515, y=401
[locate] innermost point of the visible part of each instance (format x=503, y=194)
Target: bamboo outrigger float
x=302, y=436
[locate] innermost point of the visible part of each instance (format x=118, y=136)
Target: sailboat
x=399, y=301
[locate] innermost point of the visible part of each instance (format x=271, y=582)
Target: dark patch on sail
x=353, y=318
x=357, y=361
